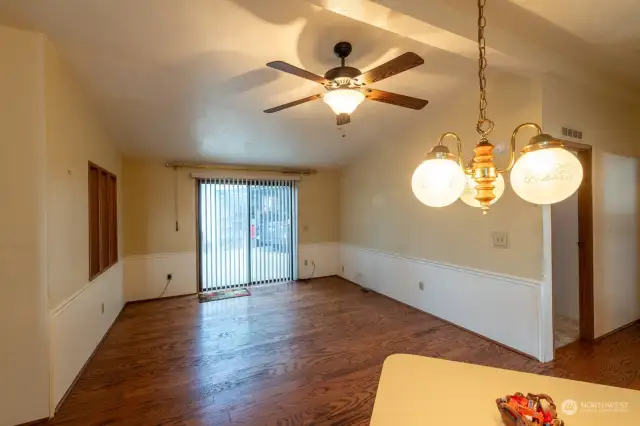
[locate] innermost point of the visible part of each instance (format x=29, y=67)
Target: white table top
x=416, y=390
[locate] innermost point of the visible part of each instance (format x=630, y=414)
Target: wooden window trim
x=103, y=243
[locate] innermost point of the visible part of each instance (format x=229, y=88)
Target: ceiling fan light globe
x=343, y=101
x=546, y=176
x=438, y=182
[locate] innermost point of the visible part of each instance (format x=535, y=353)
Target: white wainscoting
x=145, y=277
x=325, y=256
x=500, y=307
x=78, y=325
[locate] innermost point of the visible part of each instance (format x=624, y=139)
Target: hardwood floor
x=295, y=354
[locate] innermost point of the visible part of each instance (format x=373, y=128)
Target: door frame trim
x=292, y=184
x=585, y=235
x=198, y=236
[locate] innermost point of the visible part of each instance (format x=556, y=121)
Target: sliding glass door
x=247, y=232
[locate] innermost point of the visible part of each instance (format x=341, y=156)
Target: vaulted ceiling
x=186, y=80
x=611, y=29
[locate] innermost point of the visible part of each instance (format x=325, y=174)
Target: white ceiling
x=612, y=27
x=186, y=80
x=602, y=22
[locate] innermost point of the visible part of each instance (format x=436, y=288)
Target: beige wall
x=48, y=134
x=612, y=128
x=319, y=207
x=565, y=255
x=24, y=316
x=379, y=210
x=150, y=212
x=74, y=137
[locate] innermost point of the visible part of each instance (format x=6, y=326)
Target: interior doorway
x=247, y=232
x=572, y=258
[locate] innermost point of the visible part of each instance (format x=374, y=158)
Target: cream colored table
x=415, y=390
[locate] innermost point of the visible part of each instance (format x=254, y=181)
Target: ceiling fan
x=347, y=86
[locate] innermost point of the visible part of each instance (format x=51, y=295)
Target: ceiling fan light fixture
x=343, y=101
x=343, y=84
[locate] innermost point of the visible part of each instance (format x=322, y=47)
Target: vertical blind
x=247, y=232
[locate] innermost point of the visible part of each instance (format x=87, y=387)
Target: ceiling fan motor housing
x=342, y=76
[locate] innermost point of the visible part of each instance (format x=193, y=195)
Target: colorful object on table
x=223, y=294
x=530, y=410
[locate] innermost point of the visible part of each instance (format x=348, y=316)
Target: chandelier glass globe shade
x=546, y=176
x=438, y=182
x=469, y=193
x=343, y=101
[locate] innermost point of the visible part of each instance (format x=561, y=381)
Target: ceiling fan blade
x=402, y=63
x=292, y=104
x=288, y=68
x=396, y=99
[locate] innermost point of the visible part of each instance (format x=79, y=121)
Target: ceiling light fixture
x=546, y=173
x=343, y=101
x=347, y=86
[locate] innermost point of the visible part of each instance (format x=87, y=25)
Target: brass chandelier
x=545, y=173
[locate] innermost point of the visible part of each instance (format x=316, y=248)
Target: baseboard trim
x=445, y=321
x=73, y=384
x=157, y=299
x=42, y=421
x=135, y=302
x=305, y=280
x=617, y=330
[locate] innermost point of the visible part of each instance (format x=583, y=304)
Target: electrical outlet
x=169, y=277
x=306, y=262
x=421, y=285
x=102, y=308
x=500, y=239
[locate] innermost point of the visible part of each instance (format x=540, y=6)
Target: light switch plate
x=500, y=239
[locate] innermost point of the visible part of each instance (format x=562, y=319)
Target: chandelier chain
x=482, y=65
